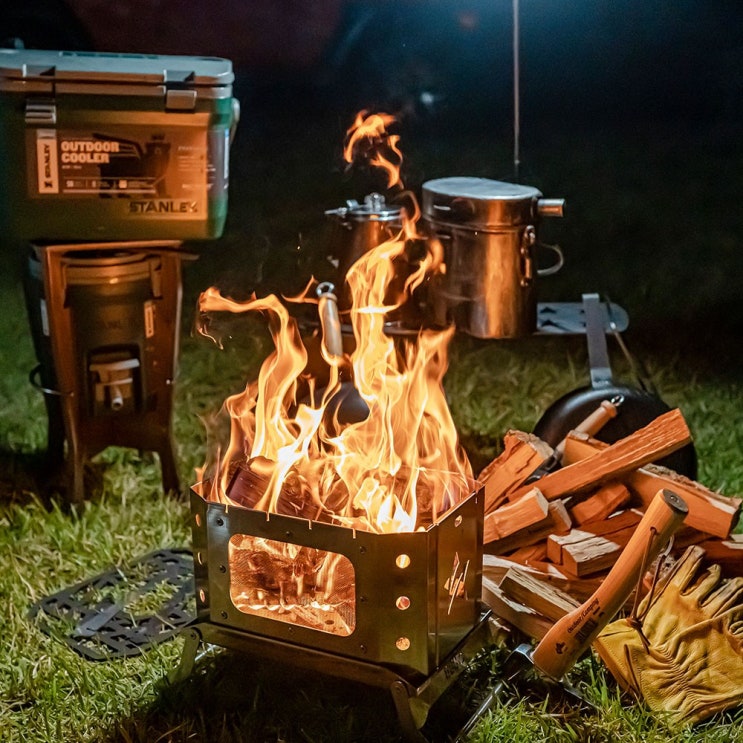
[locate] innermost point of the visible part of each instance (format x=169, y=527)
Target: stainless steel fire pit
x=400, y=610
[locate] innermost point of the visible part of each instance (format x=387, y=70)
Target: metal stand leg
x=410, y=722
x=188, y=656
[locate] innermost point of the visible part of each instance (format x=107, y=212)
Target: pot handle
x=557, y=265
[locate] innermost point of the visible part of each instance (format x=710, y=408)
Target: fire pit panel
x=405, y=599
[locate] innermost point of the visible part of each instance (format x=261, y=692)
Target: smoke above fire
x=397, y=468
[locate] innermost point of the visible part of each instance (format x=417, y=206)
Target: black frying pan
x=640, y=404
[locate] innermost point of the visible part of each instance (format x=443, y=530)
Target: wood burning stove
x=105, y=319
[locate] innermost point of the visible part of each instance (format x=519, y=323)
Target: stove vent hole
x=402, y=603
x=402, y=643
x=402, y=561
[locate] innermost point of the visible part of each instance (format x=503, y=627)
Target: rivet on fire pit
x=222, y=569
x=287, y=534
x=362, y=550
x=402, y=603
x=402, y=643
x=223, y=614
x=402, y=561
x=220, y=522
x=362, y=648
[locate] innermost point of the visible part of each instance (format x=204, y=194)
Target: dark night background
x=630, y=111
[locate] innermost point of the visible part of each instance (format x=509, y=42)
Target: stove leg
x=75, y=454
x=411, y=712
x=188, y=656
x=168, y=467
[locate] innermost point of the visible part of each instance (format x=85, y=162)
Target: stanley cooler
x=111, y=160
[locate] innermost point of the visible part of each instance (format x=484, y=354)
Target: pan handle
x=598, y=354
x=566, y=641
x=332, y=340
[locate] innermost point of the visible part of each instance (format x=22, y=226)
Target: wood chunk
x=530, y=509
x=660, y=437
x=555, y=543
x=522, y=454
x=607, y=499
x=494, y=567
x=727, y=553
x=622, y=521
x=529, y=554
x=709, y=512
x=524, y=618
x=557, y=521
x=544, y=598
x=593, y=555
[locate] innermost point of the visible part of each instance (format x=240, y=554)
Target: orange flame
x=397, y=469
x=371, y=131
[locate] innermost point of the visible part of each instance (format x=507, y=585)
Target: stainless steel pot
x=364, y=226
x=488, y=231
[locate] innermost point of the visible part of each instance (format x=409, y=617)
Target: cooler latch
x=179, y=95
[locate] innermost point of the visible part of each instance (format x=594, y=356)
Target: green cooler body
x=114, y=146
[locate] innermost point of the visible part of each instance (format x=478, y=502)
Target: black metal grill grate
x=125, y=610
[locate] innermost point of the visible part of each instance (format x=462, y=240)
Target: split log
x=495, y=567
x=663, y=435
x=544, y=598
x=709, y=512
x=530, y=554
x=727, y=553
x=522, y=454
x=619, y=522
x=506, y=520
x=524, y=618
x=605, y=501
x=594, y=555
x=557, y=521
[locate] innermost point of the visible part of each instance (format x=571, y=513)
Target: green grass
x=677, y=283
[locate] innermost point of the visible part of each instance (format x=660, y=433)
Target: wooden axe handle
x=566, y=641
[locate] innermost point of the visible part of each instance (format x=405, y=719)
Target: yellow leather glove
x=692, y=666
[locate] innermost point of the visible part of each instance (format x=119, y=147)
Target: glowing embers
x=290, y=583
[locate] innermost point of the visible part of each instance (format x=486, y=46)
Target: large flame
x=399, y=468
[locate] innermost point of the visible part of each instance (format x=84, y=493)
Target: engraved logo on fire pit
x=455, y=583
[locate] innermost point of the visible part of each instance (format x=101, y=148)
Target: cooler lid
x=39, y=65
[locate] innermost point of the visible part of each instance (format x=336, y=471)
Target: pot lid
x=479, y=203
x=374, y=208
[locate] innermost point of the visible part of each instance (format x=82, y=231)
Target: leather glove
x=688, y=661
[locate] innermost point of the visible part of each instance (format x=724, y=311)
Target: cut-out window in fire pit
x=290, y=583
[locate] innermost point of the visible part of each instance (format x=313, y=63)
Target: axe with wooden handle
x=573, y=634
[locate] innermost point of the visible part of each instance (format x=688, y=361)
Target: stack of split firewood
x=549, y=541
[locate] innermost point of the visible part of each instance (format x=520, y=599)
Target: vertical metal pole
x=516, y=96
